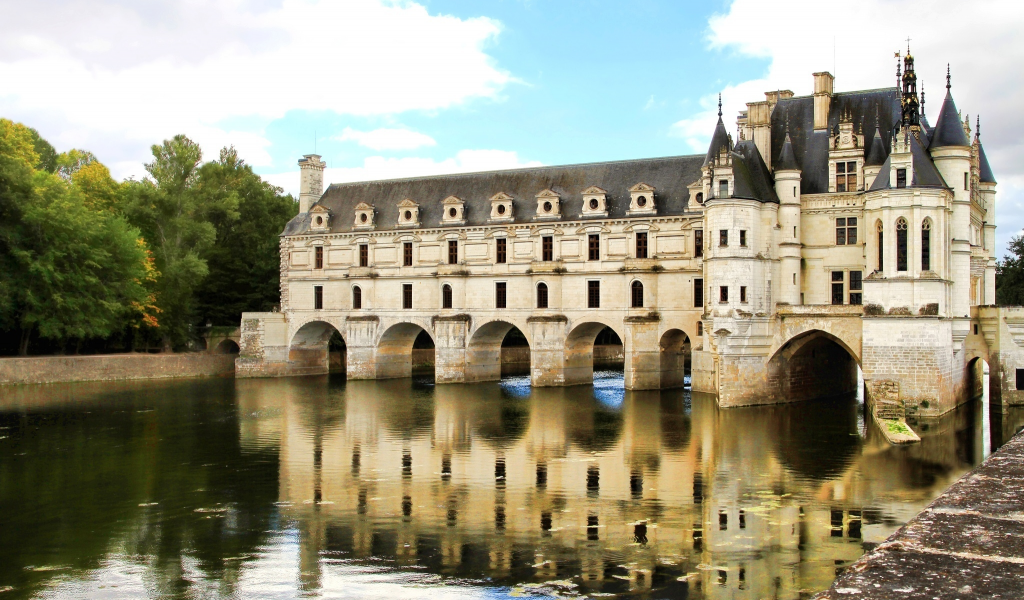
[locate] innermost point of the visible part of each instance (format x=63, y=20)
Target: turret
x=787, y=188
x=987, y=197
x=875, y=157
x=311, y=180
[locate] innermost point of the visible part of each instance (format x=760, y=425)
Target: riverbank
x=968, y=543
x=113, y=367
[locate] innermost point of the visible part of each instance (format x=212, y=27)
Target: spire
x=949, y=130
x=876, y=148
x=977, y=127
x=947, y=77
x=909, y=101
x=719, y=139
x=719, y=105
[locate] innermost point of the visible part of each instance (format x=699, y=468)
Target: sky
x=395, y=88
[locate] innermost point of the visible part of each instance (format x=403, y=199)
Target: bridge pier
x=548, y=351
x=451, y=363
x=642, y=369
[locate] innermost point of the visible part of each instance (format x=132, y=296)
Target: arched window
x=542, y=295
x=446, y=296
x=637, y=293
x=881, y=247
x=901, y=244
x=926, y=245
x=357, y=297
x=700, y=197
x=700, y=328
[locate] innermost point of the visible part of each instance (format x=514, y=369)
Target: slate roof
x=924, y=172
x=986, y=175
x=751, y=178
x=719, y=140
x=670, y=177
x=876, y=149
x=787, y=160
x=949, y=131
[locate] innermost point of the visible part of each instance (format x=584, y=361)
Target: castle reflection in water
x=615, y=491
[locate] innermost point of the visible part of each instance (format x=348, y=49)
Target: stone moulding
x=547, y=319
x=459, y=318
x=363, y=318
x=651, y=317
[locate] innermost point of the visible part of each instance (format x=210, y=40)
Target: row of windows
x=901, y=245
x=723, y=239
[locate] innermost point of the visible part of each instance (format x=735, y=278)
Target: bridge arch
x=811, y=365
x=675, y=353
x=309, y=347
x=394, y=356
x=484, y=349
x=579, y=348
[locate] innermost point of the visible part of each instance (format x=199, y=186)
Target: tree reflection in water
x=318, y=486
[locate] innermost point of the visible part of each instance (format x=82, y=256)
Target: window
x=700, y=328
x=542, y=295
x=547, y=248
x=593, y=294
x=593, y=247
x=926, y=245
x=318, y=297
x=723, y=188
x=1020, y=379
x=838, y=278
x=446, y=296
x=700, y=197
x=698, y=243
x=881, y=247
x=698, y=293
x=500, y=295
x=743, y=293
x=723, y=294
x=364, y=255
x=846, y=176
x=637, y=293
x=407, y=254
x=855, y=288
x=743, y=238
x=641, y=244
x=502, y=250
x=901, y=178
x=453, y=252
x=723, y=237
x=901, y=244
x=318, y=257
x=967, y=180
x=406, y=295
x=846, y=231
x=357, y=298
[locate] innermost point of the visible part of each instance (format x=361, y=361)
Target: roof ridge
x=851, y=92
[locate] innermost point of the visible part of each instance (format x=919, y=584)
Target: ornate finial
x=908, y=45
x=922, y=96
x=977, y=126
x=947, y=77
x=719, y=105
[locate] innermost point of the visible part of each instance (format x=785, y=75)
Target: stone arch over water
x=675, y=355
x=394, y=357
x=814, y=364
x=484, y=350
x=309, y=349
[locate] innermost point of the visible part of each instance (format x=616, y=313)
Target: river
x=318, y=487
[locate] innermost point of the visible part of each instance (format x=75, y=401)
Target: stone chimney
x=823, y=83
x=311, y=180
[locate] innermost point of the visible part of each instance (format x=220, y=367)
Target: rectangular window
x=593, y=294
x=723, y=294
x=967, y=185
x=547, y=248
x=743, y=238
x=407, y=254
x=743, y=293
x=453, y=252
x=364, y=255
x=723, y=237
x=901, y=178
x=641, y=244
x=846, y=176
x=698, y=293
x=881, y=251
x=856, y=287
x=406, y=295
x=593, y=247
x=723, y=188
x=698, y=242
x=502, y=251
x=500, y=295
x=837, y=287
x=846, y=231
x=318, y=297
x=318, y=257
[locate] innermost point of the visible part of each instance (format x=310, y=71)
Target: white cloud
x=379, y=167
x=387, y=139
x=980, y=42
x=116, y=76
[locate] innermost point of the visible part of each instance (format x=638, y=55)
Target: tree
x=17, y=160
x=1010, y=275
x=245, y=260
x=175, y=218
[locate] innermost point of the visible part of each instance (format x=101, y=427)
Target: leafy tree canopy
x=1010, y=275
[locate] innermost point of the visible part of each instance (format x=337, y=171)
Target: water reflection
x=322, y=487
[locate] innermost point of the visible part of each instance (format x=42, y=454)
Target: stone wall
x=113, y=367
x=918, y=353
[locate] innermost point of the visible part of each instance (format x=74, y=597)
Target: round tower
x=787, y=188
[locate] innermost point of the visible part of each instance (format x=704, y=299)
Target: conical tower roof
x=787, y=157
x=949, y=131
x=720, y=139
x=876, y=149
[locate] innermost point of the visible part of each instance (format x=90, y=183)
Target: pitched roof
x=949, y=131
x=924, y=172
x=670, y=177
x=750, y=174
x=986, y=171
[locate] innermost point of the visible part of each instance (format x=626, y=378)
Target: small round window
x=408, y=215
x=319, y=220
x=641, y=201
x=547, y=207
x=452, y=212
x=362, y=218
x=501, y=209
x=594, y=204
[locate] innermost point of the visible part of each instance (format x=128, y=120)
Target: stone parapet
x=113, y=367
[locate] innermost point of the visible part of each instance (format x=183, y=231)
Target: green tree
x=1010, y=275
x=46, y=154
x=17, y=160
x=176, y=219
x=245, y=260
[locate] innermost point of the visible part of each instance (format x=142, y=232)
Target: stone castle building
x=835, y=230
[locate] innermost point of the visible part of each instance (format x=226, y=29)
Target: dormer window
x=846, y=176
x=641, y=200
x=700, y=197
x=408, y=213
x=723, y=188
x=548, y=205
x=595, y=202
x=454, y=211
x=501, y=208
x=364, y=216
x=320, y=218
x=901, y=178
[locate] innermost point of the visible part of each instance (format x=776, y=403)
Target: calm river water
x=318, y=487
